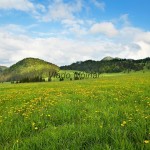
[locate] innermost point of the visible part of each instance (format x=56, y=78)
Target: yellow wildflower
x=123, y=123
x=33, y=123
x=17, y=141
x=36, y=128
x=146, y=141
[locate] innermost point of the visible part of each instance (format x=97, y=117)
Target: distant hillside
x=2, y=68
x=109, y=65
x=29, y=68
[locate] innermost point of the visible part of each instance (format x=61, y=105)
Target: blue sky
x=66, y=31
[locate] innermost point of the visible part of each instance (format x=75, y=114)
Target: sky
x=66, y=31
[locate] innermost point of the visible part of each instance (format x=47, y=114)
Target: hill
x=29, y=69
x=110, y=65
x=2, y=68
x=108, y=58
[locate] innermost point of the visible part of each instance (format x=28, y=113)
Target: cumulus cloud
x=62, y=51
x=56, y=50
x=145, y=37
x=106, y=28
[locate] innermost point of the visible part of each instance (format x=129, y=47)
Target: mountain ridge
x=109, y=65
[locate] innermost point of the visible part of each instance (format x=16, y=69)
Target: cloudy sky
x=66, y=31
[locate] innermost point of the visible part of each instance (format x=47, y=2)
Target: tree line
x=110, y=66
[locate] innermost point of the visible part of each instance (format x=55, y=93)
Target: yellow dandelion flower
x=96, y=111
x=36, y=128
x=122, y=125
x=124, y=122
x=17, y=141
x=33, y=123
x=146, y=141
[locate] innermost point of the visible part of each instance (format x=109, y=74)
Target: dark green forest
x=115, y=65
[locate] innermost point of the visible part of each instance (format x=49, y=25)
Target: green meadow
x=107, y=113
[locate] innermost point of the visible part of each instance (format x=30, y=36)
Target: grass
x=109, y=113
x=70, y=74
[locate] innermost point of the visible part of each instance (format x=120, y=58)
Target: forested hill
x=110, y=65
x=2, y=68
x=28, y=68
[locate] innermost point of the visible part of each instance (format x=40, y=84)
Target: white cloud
x=23, y=5
x=127, y=42
x=59, y=10
x=32, y=9
x=75, y=26
x=106, y=28
x=63, y=51
x=100, y=5
x=13, y=28
x=145, y=37
x=136, y=40
x=87, y=39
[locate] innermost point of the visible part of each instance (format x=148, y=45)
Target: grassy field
x=109, y=113
x=70, y=74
